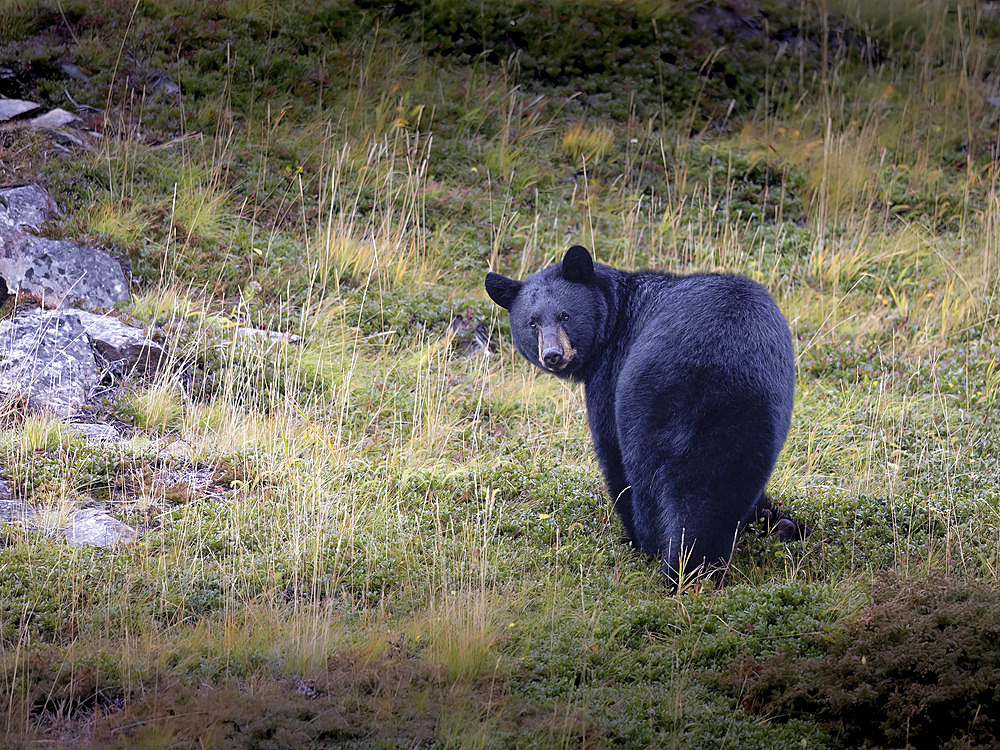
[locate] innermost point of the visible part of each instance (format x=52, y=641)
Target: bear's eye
x=563, y=317
x=532, y=325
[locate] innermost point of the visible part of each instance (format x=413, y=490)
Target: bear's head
x=557, y=314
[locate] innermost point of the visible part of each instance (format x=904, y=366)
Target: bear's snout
x=551, y=352
x=552, y=357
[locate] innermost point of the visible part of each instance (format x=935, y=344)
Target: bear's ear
x=502, y=290
x=578, y=265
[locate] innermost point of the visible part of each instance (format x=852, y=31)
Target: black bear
x=689, y=383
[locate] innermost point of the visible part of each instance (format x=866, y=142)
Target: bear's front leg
x=619, y=490
x=609, y=457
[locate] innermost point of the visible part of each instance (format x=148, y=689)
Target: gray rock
x=163, y=82
x=56, y=358
x=120, y=344
x=25, y=207
x=53, y=119
x=61, y=273
x=48, y=360
x=271, y=337
x=87, y=527
x=14, y=511
x=95, y=528
x=469, y=334
x=11, y=108
x=11, y=510
x=74, y=71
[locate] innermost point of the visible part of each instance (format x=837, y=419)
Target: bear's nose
x=552, y=357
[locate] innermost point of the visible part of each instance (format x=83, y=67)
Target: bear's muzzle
x=554, y=349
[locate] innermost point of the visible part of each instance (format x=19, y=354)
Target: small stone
x=273, y=337
x=74, y=71
x=11, y=108
x=469, y=334
x=163, y=82
x=92, y=527
x=54, y=119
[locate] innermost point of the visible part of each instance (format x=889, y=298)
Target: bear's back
x=712, y=326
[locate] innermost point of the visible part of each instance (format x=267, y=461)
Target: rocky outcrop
x=56, y=358
x=60, y=273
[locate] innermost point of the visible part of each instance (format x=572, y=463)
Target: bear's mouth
x=555, y=365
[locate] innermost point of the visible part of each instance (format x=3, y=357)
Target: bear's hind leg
x=691, y=528
x=687, y=552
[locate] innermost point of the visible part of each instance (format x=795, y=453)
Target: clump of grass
x=210, y=417
x=371, y=223
x=164, y=304
x=161, y=407
x=119, y=223
x=42, y=433
x=18, y=19
x=199, y=210
x=462, y=628
x=589, y=143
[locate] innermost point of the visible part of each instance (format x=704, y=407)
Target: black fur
x=689, y=383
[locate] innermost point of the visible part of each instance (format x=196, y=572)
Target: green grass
x=362, y=537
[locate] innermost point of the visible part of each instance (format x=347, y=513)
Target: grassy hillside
x=366, y=537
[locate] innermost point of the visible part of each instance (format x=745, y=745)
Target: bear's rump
x=698, y=437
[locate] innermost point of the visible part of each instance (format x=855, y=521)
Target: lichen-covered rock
x=55, y=358
x=48, y=360
x=25, y=207
x=13, y=510
x=61, y=273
